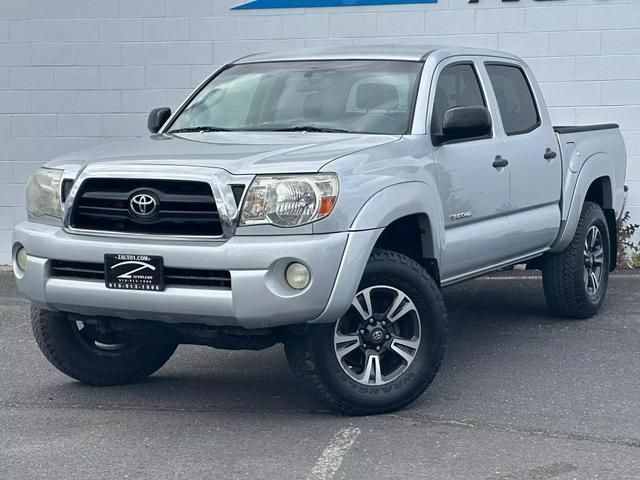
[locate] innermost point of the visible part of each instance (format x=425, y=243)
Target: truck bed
x=586, y=144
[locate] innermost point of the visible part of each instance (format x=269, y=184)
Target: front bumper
x=258, y=297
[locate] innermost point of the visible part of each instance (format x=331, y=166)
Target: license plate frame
x=134, y=272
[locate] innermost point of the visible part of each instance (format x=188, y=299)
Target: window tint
x=457, y=86
x=515, y=100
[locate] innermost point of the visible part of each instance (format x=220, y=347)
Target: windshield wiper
x=205, y=128
x=311, y=128
x=296, y=128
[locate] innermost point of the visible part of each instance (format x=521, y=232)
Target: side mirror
x=465, y=122
x=157, y=118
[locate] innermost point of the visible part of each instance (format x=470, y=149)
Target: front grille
x=184, y=208
x=80, y=270
x=173, y=277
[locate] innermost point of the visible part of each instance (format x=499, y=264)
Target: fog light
x=21, y=259
x=297, y=276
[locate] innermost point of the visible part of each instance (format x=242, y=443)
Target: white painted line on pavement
x=329, y=462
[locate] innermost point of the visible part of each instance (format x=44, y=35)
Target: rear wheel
x=94, y=355
x=575, y=280
x=385, y=351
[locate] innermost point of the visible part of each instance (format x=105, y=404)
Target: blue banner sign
x=255, y=4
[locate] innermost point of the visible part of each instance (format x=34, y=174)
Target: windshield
x=354, y=96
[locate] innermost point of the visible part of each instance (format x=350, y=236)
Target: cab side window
x=457, y=86
x=515, y=98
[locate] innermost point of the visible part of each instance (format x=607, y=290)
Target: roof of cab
x=372, y=52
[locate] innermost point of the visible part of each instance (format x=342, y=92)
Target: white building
x=75, y=73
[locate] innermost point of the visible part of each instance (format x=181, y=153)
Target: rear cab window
x=514, y=95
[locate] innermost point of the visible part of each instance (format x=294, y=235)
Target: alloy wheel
x=379, y=337
x=593, y=260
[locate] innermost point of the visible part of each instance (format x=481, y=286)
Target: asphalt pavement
x=520, y=396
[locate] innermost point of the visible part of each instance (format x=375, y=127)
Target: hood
x=240, y=153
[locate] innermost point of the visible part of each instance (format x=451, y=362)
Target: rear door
x=534, y=162
x=474, y=192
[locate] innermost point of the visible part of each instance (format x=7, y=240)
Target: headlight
x=43, y=193
x=289, y=200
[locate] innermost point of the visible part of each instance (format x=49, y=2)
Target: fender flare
x=401, y=200
x=379, y=211
x=596, y=166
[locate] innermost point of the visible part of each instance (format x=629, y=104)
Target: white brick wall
x=75, y=73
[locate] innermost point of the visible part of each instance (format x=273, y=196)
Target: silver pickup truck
x=320, y=199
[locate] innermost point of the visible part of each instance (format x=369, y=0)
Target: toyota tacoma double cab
x=320, y=199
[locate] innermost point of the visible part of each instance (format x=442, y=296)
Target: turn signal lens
x=326, y=205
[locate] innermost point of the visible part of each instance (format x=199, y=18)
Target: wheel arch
x=410, y=216
x=601, y=192
x=412, y=236
x=594, y=183
x=409, y=208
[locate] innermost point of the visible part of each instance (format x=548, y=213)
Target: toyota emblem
x=376, y=335
x=143, y=204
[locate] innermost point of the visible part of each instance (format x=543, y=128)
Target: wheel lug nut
x=372, y=321
x=384, y=324
x=362, y=332
x=364, y=345
x=387, y=336
x=378, y=348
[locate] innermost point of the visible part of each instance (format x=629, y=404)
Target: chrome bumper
x=258, y=298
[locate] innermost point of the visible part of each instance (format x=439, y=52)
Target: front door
x=473, y=187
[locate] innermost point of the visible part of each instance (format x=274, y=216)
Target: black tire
x=59, y=340
x=313, y=360
x=563, y=274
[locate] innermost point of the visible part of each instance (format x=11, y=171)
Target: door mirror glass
x=465, y=122
x=157, y=118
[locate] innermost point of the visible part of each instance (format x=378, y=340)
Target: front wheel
x=575, y=280
x=385, y=351
x=93, y=355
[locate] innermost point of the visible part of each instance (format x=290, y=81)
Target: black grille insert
x=238, y=191
x=67, y=185
x=173, y=277
x=183, y=207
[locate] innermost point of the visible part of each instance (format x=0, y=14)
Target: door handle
x=500, y=162
x=550, y=154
